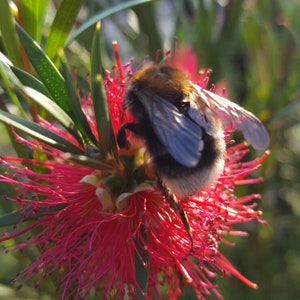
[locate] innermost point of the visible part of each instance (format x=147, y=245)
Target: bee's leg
x=173, y=201
x=121, y=135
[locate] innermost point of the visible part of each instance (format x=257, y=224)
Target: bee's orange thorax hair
x=165, y=81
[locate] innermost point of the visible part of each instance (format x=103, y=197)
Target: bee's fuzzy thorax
x=168, y=83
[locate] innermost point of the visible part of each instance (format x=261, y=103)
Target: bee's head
x=166, y=82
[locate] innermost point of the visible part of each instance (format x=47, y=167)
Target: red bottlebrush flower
x=98, y=231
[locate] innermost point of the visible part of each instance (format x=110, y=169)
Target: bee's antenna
x=174, y=204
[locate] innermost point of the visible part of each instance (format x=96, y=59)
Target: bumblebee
x=182, y=126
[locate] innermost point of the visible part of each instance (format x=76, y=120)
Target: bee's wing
x=234, y=116
x=181, y=137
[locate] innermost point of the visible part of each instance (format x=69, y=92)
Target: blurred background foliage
x=252, y=46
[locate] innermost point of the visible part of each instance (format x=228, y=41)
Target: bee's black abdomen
x=185, y=181
x=168, y=166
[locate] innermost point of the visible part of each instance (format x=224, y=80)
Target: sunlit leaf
x=33, y=14
x=64, y=21
x=104, y=126
x=30, y=81
x=75, y=107
x=54, y=110
x=46, y=70
x=8, y=80
x=40, y=133
x=8, y=33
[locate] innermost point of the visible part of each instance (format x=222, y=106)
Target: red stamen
x=118, y=60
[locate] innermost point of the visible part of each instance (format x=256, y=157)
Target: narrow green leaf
x=89, y=162
x=33, y=14
x=38, y=93
x=39, y=133
x=9, y=79
x=64, y=21
x=8, y=33
x=45, y=69
x=104, y=126
x=103, y=14
x=30, y=81
x=54, y=110
x=75, y=109
x=26, y=214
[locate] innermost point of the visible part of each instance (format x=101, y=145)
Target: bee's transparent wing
x=181, y=137
x=234, y=116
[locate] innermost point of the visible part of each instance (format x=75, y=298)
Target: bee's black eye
x=185, y=105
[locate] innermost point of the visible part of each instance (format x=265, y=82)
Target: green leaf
x=64, y=21
x=33, y=14
x=38, y=94
x=30, y=81
x=28, y=214
x=8, y=33
x=8, y=79
x=40, y=133
x=106, y=135
x=45, y=69
x=103, y=14
x=54, y=110
x=75, y=109
x=89, y=162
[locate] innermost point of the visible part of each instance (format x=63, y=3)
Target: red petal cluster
x=105, y=253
